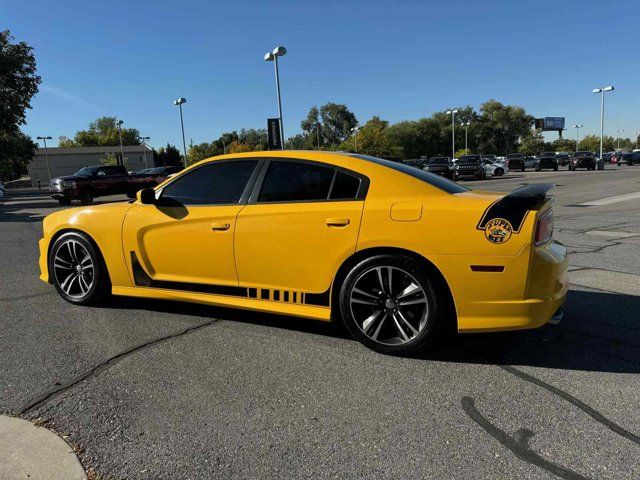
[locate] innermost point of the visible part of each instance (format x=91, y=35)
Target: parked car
x=546, y=160
x=563, y=159
x=415, y=162
x=583, y=160
x=630, y=158
x=494, y=169
x=530, y=161
x=616, y=157
x=91, y=182
x=606, y=157
x=440, y=166
x=469, y=166
x=490, y=157
x=515, y=161
x=321, y=235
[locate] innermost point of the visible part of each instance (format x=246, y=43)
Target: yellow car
x=396, y=253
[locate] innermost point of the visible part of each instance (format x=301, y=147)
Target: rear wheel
x=555, y=168
x=77, y=270
x=389, y=304
x=522, y=169
x=499, y=172
x=65, y=202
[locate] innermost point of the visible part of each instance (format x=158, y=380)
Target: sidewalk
x=35, y=453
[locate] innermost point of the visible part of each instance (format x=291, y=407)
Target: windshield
x=583, y=154
x=156, y=170
x=434, y=180
x=515, y=155
x=86, y=171
x=439, y=161
x=547, y=154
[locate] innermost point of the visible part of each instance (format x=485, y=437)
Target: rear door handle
x=220, y=227
x=337, y=222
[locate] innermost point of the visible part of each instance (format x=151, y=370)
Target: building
x=66, y=161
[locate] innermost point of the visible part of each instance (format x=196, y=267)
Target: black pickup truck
x=547, y=160
x=91, y=182
x=515, y=161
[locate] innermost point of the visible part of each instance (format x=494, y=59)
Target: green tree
x=499, y=127
x=532, y=143
x=417, y=138
x=337, y=122
x=312, y=137
x=371, y=139
x=102, y=132
x=16, y=151
x=202, y=151
x=18, y=84
x=563, y=145
x=591, y=143
x=110, y=159
x=167, y=156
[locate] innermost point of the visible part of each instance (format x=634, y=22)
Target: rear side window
x=345, y=187
x=295, y=181
x=211, y=184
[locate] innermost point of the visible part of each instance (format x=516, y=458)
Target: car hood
x=68, y=178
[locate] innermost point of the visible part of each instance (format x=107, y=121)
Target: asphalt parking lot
x=147, y=389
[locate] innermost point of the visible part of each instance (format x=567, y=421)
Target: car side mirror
x=147, y=196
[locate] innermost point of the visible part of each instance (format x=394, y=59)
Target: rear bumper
x=528, y=294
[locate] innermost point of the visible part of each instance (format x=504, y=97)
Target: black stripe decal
x=142, y=279
x=487, y=268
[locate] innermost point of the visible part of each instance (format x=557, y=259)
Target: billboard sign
x=274, y=139
x=550, y=123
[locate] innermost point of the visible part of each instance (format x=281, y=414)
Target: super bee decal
x=498, y=230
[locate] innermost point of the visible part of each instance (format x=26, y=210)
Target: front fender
x=102, y=223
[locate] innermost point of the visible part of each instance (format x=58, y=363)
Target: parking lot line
x=612, y=200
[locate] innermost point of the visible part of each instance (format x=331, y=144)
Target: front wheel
x=65, y=202
x=389, y=304
x=499, y=172
x=522, y=169
x=555, y=168
x=77, y=270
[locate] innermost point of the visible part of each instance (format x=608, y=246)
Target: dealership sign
x=550, y=123
x=273, y=134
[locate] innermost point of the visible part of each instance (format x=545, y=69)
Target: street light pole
x=144, y=144
x=354, y=130
x=577, y=127
x=602, y=90
x=120, y=122
x=179, y=103
x=453, y=131
x=46, y=154
x=273, y=57
x=466, y=131
x=619, y=132
x=318, y=133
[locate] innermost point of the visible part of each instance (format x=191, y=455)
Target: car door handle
x=220, y=227
x=337, y=222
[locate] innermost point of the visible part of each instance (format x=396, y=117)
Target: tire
x=391, y=328
x=499, y=172
x=538, y=169
x=65, y=202
x=555, y=168
x=86, y=198
x=77, y=270
x=522, y=169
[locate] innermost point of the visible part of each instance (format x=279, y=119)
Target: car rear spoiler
x=514, y=206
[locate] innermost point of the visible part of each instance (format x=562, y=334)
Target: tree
x=16, y=151
x=313, y=137
x=500, y=127
x=18, y=81
x=18, y=84
x=563, y=145
x=202, y=151
x=417, y=138
x=591, y=143
x=102, y=132
x=167, y=156
x=532, y=143
x=337, y=122
x=238, y=147
x=371, y=139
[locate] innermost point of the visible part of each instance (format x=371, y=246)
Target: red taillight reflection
x=544, y=228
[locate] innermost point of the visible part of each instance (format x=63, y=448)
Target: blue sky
x=398, y=60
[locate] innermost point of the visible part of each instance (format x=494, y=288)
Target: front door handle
x=220, y=227
x=337, y=222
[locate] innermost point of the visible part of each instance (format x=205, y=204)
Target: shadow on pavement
x=599, y=333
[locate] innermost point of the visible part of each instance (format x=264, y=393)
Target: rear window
x=433, y=180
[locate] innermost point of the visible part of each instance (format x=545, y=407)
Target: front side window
x=212, y=184
x=296, y=181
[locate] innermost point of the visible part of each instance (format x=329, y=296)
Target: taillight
x=544, y=228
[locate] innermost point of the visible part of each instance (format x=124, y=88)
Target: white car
x=495, y=169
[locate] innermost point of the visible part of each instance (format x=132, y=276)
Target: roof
x=84, y=150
